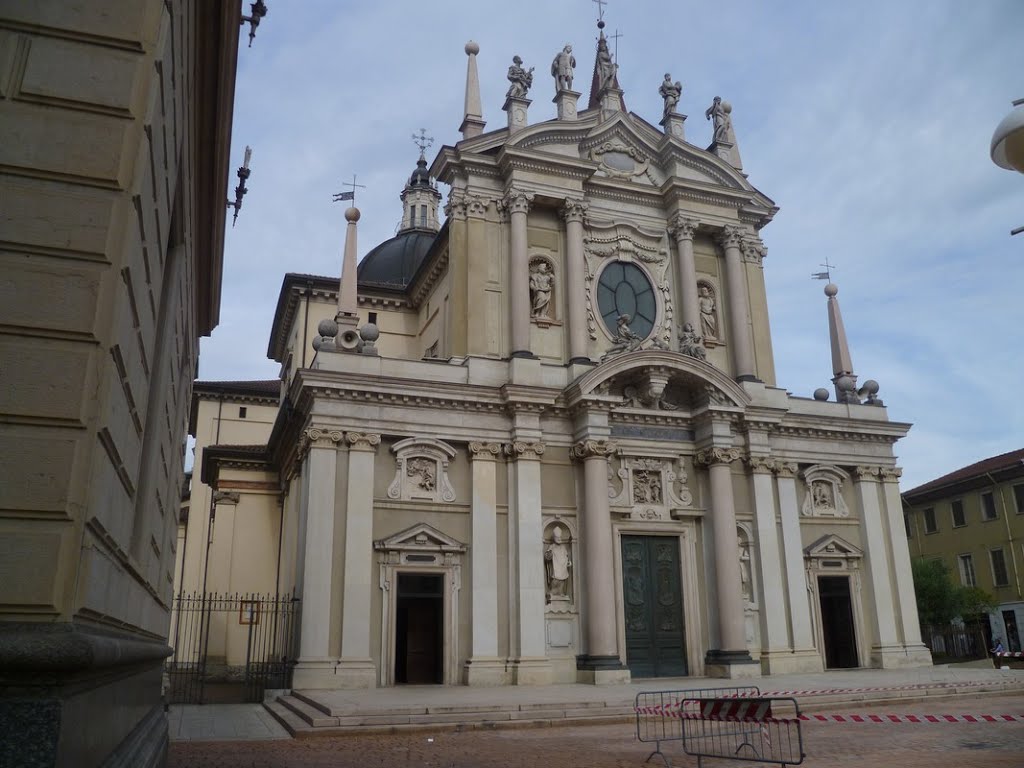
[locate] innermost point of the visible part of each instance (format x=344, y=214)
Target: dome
x=393, y=263
x=420, y=177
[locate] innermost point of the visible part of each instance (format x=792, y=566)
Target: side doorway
x=837, y=627
x=419, y=629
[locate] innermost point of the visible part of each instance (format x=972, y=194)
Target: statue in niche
x=690, y=343
x=558, y=561
x=822, y=496
x=745, y=587
x=562, y=69
x=624, y=339
x=606, y=68
x=718, y=113
x=708, y=318
x=521, y=79
x=670, y=92
x=422, y=472
x=541, y=284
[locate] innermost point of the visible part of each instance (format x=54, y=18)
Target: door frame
x=831, y=555
x=686, y=534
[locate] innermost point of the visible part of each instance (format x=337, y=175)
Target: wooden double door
x=653, y=606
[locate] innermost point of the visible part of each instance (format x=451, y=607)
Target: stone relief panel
x=823, y=496
x=649, y=488
x=559, y=565
x=421, y=472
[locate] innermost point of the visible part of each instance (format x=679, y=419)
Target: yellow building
x=542, y=440
x=115, y=129
x=973, y=520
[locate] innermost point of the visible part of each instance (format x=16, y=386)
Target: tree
x=939, y=600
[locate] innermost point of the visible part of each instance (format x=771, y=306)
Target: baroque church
x=541, y=439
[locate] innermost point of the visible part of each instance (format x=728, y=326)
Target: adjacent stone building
x=115, y=127
x=543, y=441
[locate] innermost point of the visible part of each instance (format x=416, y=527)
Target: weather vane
x=422, y=140
x=827, y=274
x=600, y=8
x=351, y=194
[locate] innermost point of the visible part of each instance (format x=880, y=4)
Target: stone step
x=288, y=719
x=312, y=715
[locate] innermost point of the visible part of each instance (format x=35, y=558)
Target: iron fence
x=231, y=647
x=950, y=641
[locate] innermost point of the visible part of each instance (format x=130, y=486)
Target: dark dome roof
x=393, y=263
x=420, y=177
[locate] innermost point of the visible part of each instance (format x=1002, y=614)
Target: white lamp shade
x=1008, y=142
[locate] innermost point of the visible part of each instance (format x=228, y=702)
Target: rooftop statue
x=670, y=92
x=562, y=69
x=521, y=79
x=606, y=68
x=718, y=112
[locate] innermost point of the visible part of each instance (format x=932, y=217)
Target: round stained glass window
x=624, y=289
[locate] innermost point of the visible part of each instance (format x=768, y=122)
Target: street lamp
x=1008, y=144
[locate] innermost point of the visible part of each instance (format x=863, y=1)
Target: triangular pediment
x=833, y=546
x=419, y=538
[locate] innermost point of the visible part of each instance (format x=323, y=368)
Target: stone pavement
x=322, y=713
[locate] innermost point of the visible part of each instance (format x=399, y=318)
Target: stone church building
x=541, y=440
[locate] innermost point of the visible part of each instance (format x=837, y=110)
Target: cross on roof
x=616, y=37
x=827, y=274
x=422, y=140
x=600, y=8
x=341, y=196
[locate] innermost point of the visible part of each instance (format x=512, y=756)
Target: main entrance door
x=837, y=622
x=419, y=628
x=653, y=606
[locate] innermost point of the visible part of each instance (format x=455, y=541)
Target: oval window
x=624, y=289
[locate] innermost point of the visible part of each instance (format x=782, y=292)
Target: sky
x=868, y=123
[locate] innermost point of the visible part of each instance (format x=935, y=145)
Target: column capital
x=476, y=206
x=455, y=208
x=574, y=210
x=362, y=441
x=711, y=456
x=586, y=449
x=322, y=437
x=730, y=236
x=484, y=451
x=753, y=249
x=517, y=201
x=226, y=497
x=525, y=449
x=760, y=465
x=682, y=227
x=891, y=474
x=867, y=473
x=786, y=468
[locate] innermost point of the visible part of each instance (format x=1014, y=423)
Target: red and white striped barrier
x=739, y=709
x=1009, y=654
x=914, y=687
x=861, y=718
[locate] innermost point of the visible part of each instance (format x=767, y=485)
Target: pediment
x=419, y=538
x=833, y=546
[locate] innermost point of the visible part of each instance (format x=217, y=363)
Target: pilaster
x=730, y=239
x=517, y=203
x=793, y=567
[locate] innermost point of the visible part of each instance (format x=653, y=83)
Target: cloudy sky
x=867, y=122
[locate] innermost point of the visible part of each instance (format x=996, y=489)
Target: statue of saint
x=670, y=92
x=624, y=340
x=718, y=113
x=691, y=343
x=541, y=283
x=606, y=68
x=562, y=69
x=708, y=319
x=521, y=79
x=558, y=561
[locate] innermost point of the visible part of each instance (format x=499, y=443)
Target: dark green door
x=653, y=606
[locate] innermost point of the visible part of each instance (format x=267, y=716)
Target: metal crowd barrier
x=761, y=729
x=658, y=713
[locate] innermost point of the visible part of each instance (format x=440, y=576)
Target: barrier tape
x=1009, y=654
x=914, y=687
x=842, y=718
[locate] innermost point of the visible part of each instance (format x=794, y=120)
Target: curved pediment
x=649, y=378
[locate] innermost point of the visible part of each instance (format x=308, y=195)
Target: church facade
x=542, y=441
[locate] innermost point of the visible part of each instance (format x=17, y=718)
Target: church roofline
x=259, y=391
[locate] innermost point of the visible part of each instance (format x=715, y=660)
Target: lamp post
x=1008, y=144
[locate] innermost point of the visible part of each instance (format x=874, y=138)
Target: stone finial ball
x=846, y=384
x=870, y=387
x=352, y=214
x=369, y=332
x=821, y=394
x=472, y=49
x=831, y=290
x=317, y=343
x=726, y=107
x=327, y=327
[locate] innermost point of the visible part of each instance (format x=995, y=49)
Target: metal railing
x=762, y=730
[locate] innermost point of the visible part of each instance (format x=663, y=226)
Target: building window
x=929, y=520
x=999, y=575
x=1018, y=497
x=967, y=577
x=624, y=289
x=988, y=506
x=373, y=318
x=958, y=513
x=242, y=410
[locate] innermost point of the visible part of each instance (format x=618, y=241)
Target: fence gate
x=231, y=648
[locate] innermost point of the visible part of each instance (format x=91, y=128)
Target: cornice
x=429, y=277
x=519, y=158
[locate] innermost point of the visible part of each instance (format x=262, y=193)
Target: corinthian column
x=732, y=659
x=739, y=309
x=601, y=662
x=683, y=229
x=574, y=212
x=517, y=203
